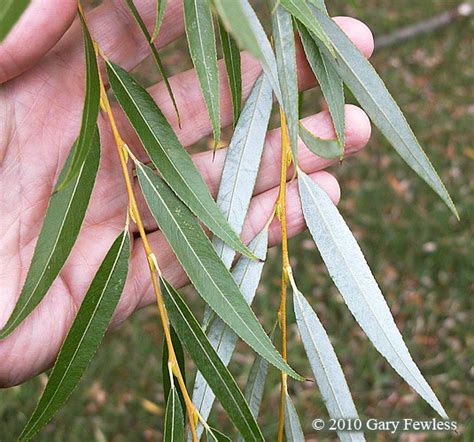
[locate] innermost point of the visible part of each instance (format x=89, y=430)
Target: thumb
x=40, y=27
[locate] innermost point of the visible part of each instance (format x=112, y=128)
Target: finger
x=138, y=290
x=357, y=130
x=38, y=30
x=195, y=123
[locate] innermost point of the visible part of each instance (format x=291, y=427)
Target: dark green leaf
x=231, y=54
x=370, y=91
x=284, y=43
x=206, y=271
x=209, y=364
x=160, y=12
x=178, y=350
x=85, y=335
x=10, y=12
x=202, y=47
x=174, y=419
x=154, y=51
x=90, y=110
x=214, y=435
x=329, y=80
x=168, y=155
x=351, y=274
x=328, y=149
x=58, y=234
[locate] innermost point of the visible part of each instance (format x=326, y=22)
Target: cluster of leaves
x=180, y=202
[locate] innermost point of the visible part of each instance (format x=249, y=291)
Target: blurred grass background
x=420, y=255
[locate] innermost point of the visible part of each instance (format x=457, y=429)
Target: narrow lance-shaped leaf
x=284, y=43
x=301, y=11
x=58, y=234
x=369, y=89
x=174, y=419
x=85, y=335
x=90, y=110
x=231, y=53
x=247, y=274
x=10, y=13
x=202, y=47
x=329, y=80
x=178, y=349
x=206, y=271
x=168, y=155
x=154, y=51
x=214, y=435
x=351, y=274
x=293, y=430
x=209, y=364
x=328, y=149
x=326, y=368
x=241, y=21
x=319, y=4
x=160, y=12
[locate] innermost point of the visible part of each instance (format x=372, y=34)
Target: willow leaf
x=242, y=162
x=328, y=149
x=202, y=47
x=351, y=274
x=174, y=419
x=284, y=43
x=168, y=155
x=160, y=12
x=90, y=110
x=178, y=349
x=10, y=13
x=247, y=274
x=319, y=4
x=329, y=80
x=85, y=334
x=293, y=430
x=231, y=54
x=326, y=368
x=214, y=435
x=241, y=21
x=206, y=271
x=369, y=89
x=301, y=11
x=209, y=364
x=61, y=225
x=154, y=51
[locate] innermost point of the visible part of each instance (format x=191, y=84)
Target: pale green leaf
x=329, y=80
x=160, y=12
x=208, y=363
x=206, y=271
x=284, y=43
x=174, y=419
x=369, y=89
x=61, y=225
x=326, y=368
x=154, y=51
x=168, y=155
x=85, y=334
x=241, y=21
x=231, y=54
x=328, y=149
x=293, y=430
x=90, y=111
x=301, y=11
x=10, y=13
x=202, y=47
x=247, y=274
x=351, y=274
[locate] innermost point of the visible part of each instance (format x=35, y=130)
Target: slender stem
x=285, y=263
x=155, y=273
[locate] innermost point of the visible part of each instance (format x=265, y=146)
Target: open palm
x=41, y=93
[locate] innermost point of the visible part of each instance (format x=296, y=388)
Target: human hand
x=41, y=94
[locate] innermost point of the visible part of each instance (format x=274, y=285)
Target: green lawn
x=419, y=254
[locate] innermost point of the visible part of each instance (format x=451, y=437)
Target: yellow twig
x=280, y=210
